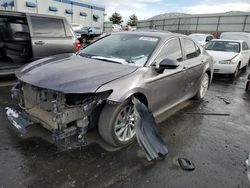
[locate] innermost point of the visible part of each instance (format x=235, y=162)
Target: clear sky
x=147, y=8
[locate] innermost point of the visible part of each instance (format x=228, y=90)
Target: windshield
x=226, y=46
x=198, y=38
x=129, y=49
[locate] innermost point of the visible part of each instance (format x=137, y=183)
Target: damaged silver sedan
x=69, y=94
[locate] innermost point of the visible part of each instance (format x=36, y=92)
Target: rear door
x=193, y=64
x=49, y=36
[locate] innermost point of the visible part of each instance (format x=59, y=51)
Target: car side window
x=47, y=27
x=191, y=50
x=245, y=46
x=171, y=50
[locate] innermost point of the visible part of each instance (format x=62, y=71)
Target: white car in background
x=201, y=38
x=236, y=36
x=76, y=26
x=229, y=55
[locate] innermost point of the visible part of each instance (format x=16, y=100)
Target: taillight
x=78, y=45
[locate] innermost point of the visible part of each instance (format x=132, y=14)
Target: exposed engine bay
x=65, y=115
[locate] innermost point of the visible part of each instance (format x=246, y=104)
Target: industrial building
x=76, y=11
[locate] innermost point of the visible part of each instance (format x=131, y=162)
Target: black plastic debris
x=186, y=164
x=225, y=99
x=248, y=167
x=146, y=133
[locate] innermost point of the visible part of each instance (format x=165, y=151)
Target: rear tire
x=111, y=122
x=245, y=67
x=203, y=87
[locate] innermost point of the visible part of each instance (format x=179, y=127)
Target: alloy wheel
x=204, y=85
x=125, y=124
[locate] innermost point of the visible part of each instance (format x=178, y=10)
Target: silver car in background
x=25, y=37
x=69, y=94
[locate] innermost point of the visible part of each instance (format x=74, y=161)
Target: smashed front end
x=64, y=115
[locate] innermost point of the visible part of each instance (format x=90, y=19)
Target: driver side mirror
x=167, y=64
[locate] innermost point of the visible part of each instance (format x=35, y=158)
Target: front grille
x=216, y=70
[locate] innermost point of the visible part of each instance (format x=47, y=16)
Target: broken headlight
x=86, y=98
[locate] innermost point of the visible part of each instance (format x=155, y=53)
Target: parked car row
x=71, y=93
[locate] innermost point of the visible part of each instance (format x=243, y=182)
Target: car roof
x=16, y=13
x=153, y=33
x=236, y=33
x=205, y=34
x=11, y=13
x=229, y=40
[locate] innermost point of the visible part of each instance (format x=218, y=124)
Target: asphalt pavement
x=218, y=145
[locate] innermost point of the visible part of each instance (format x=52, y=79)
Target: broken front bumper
x=23, y=124
x=26, y=127
x=19, y=121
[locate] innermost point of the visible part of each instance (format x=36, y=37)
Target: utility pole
x=72, y=15
x=91, y=16
x=36, y=6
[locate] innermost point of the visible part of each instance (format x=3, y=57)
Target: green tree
x=116, y=18
x=133, y=20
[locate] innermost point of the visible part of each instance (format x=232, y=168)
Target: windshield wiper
x=110, y=59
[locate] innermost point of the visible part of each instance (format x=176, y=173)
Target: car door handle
x=203, y=61
x=184, y=68
x=39, y=43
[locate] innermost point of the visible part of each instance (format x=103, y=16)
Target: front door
x=166, y=88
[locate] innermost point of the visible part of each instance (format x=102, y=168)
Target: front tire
x=247, y=86
x=117, y=124
x=203, y=87
x=236, y=72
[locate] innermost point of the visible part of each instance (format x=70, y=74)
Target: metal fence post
x=218, y=23
x=197, y=23
x=179, y=21
x=244, y=23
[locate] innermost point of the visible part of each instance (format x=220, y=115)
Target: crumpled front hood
x=220, y=55
x=70, y=73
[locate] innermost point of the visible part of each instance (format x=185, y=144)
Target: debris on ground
x=186, y=164
x=206, y=113
x=146, y=132
x=225, y=99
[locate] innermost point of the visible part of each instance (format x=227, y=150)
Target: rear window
x=47, y=27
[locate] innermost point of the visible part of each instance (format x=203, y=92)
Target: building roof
x=181, y=15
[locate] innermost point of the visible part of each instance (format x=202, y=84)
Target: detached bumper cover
x=19, y=120
x=147, y=134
